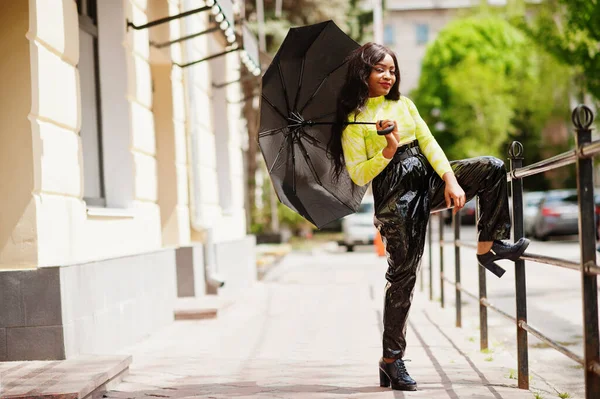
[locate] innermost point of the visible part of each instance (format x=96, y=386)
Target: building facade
x=409, y=25
x=121, y=170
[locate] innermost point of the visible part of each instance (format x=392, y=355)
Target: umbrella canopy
x=299, y=97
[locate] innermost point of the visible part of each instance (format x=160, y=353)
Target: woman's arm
x=429, y=146
x=453, y=193
x=361, y=169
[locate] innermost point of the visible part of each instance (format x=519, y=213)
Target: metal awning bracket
x=166, y=19
x=184, y=38
x=206, y=58
x=220, y=85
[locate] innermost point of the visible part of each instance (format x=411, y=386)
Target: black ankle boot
x=395, y=374
x=502, y=250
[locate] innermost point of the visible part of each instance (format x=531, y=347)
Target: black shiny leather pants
x=405, y=192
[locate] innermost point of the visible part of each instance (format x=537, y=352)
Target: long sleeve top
x=363, y=147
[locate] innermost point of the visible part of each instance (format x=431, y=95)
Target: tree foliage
x=570, y=31
x=346, y=14
x=482, y=84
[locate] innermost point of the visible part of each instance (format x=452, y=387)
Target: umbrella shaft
x=333, y=123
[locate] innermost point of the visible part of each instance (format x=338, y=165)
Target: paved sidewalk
x=312, y=329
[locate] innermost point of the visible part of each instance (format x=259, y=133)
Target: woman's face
x=382, y=77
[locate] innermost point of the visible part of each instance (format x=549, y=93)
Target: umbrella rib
x=293, y=164
x=281, y=148
x=313, y=140
x=287, y=103
x=323, y=116
x=278, y=153
x=309, y=162
x=271, y=132
x=300, y=79
x=321, y=85
x=314, y=172
x=274, y=107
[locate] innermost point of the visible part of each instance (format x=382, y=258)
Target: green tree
x=542, y=103
x=469, y=84
x=484, y=83
x=347, y=14
x=570, y=31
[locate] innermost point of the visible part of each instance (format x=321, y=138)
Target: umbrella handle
x=386, y=131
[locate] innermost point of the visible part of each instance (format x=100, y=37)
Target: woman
x=411, y=177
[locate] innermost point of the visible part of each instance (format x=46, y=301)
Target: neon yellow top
x=363, y=146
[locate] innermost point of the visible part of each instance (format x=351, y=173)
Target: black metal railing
x=582, y=155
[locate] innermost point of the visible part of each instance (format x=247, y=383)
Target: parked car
x=358, y=228
x=335, y=226
x=557, y=214
x=468, y=215
x=531, y=203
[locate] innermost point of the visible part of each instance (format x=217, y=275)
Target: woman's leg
x=404, y=246
x=401, y=194
x=486, y=178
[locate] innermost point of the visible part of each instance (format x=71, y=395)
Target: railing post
x=516, y=161
x=483, y=324
x=457, y=293
x=582, y=119
x=441, y=217
x=430, y=239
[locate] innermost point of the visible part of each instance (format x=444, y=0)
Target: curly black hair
x=355, y=92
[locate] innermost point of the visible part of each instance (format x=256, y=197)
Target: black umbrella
x=299, y=95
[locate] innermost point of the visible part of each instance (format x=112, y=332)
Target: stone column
x=18, y=232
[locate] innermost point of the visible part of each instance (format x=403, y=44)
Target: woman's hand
x=393, y=137
x=453, y=193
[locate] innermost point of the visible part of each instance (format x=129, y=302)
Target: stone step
x=77, y=378
x=197, y=308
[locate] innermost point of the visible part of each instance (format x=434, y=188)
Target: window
x=388, y=35
x=422, y=33
x=91, y=118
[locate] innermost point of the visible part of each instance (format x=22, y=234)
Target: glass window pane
x=388, y=35
x=91, y=10
x=90, y=135
x=422, y=32
x=365, y=208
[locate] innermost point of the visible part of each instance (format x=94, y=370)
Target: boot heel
x=384, y=380
x=493, y=267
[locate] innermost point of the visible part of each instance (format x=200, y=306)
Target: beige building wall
x=107, y=278
x=48, y=223
x=68, y=230
x=235, y=220
x=410, y=52
x=18, y=232
x=170, y=122
x=213, y=117
x=205, y=209
x=227, y=117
